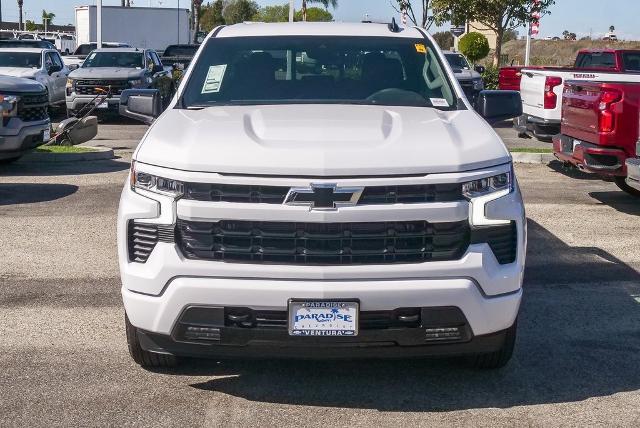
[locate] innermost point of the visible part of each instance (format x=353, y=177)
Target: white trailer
x=141, y=27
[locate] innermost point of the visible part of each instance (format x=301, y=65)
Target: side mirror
x=53, y=68
x=496, y=106
x=480, y=69
x=157, y=69
x=144, y=105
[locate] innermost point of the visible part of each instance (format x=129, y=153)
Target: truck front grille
x=322, y=243
x=372, y=195
x=34, y=107
x=88, y=86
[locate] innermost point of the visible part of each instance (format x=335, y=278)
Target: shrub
x=474, y=46
x=490, y=77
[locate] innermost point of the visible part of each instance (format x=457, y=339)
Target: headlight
x=155, y=184
x=70, y=83
x=485, y=186
x=135, y=82
x=9, y=105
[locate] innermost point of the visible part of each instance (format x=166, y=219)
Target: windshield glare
x=457, y=61
x=115, y=59
x=21, y=59
x=319, y=70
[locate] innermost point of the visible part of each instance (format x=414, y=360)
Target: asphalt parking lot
x=64, y=359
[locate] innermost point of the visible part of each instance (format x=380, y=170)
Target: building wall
x=487, y=32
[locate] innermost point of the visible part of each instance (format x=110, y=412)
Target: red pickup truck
x=609, y=60
x=599, y=128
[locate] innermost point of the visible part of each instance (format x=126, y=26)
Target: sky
x=583, y=17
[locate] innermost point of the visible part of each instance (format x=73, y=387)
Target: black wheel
x=9, y=160
x=142, y=357
x=499, y=358
x=622, y=184
x=523, y=135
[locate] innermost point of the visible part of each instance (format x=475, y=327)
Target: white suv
x=321, y=190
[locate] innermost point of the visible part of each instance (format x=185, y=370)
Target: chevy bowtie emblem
x=323, y=196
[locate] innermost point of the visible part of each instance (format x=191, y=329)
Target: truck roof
x=119, y=49
x=606, y=50
x=316, y=29
x=31, y=50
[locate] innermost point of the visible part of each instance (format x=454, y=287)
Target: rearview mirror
x=496, y=106
x=144, y=105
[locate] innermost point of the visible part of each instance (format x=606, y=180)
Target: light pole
x=99, y=24
x=291, y=10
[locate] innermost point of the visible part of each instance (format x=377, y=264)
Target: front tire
x=622, y=184
x=499, y=358
x=145, y=358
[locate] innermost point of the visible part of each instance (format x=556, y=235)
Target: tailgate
x=580, y=109
x=532, y=89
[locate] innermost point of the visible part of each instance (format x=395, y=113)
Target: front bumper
x=19, y=137
x=76, y=102
x=591, y=158
x=540, y=128
x=633, y=172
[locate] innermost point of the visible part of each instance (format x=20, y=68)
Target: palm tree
x=612, y=29
x=195, y=12
x=20, y=13
x=325, y=3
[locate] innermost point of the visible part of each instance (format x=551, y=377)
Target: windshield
x=84, y=49
x=181, y=50
x=115, y=59
x=457, y=61
x=25, y=44
x=20, y=59
x=319, y=70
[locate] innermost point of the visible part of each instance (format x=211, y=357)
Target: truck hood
x=106, y=73
x=18, y=84
x=321, y=140
x=18, y=71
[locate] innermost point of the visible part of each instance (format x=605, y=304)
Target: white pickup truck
x=541, y=88
x=352, y=205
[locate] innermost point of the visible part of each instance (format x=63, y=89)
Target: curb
x=543, y=158
x=100, y=153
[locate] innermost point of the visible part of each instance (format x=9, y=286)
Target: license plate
x=323, y=318
x=103, y=105
x=46, y=135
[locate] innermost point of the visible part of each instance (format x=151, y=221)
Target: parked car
x=356, y=208
x=541, y=89
x=469, y=78
x=82, y=51
x=179, y=56
x=43, y=65
x=25, y=121
x=600, y=128
x=116, y=69
x=17, y=43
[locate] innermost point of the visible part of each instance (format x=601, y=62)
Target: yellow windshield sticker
x=420, y=48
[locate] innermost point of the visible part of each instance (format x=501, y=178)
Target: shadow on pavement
x=572, y=172
x=619, y=201
x=28, y=168
x=578, y=338
x=28, y=193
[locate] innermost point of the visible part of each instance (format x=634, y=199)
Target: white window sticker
x=213, y=82
x=439, y=102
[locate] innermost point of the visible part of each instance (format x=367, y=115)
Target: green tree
x=48, y=17
x=422, y=19
x=31, y=26
x=273, y=14
x=444, y=39
x=498, y=15
x=474, y=46
x=236, y=11
x=211, y=15
x=325, y=3
x=314, y=14
x=509, y=35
